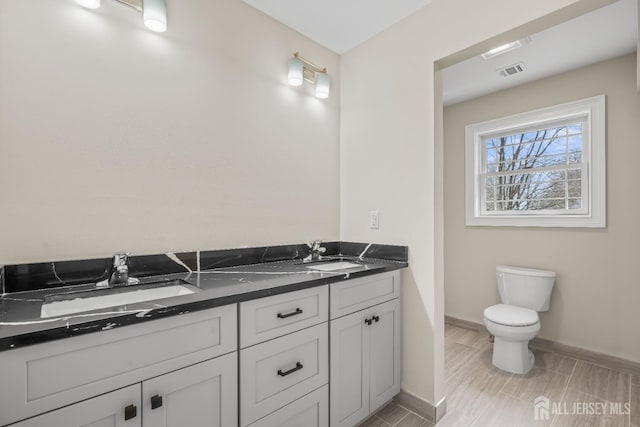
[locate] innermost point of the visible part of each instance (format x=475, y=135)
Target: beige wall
x=595, y=301
x=390, y=160
x=115, y=138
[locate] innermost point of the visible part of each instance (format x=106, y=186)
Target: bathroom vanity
x=276, y=352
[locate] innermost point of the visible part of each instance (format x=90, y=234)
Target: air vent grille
x=512, y=69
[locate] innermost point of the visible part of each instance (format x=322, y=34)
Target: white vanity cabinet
x=49, y=376
x=365, y=347
x=259, y=363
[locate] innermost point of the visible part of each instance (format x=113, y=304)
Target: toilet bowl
x=524, y=292
x=512, y=328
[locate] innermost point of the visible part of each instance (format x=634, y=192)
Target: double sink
x=69, y=303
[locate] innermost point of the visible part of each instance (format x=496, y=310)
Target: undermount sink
x=333, y=266
x=81, y=301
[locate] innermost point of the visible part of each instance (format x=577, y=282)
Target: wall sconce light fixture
x=301, y=70
x=154, y=12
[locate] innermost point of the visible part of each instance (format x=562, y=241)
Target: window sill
x=564, y=221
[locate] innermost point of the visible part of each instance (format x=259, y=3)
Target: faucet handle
x=315, y=245
x=120, y=259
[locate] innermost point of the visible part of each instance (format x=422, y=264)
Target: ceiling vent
x=511, y=69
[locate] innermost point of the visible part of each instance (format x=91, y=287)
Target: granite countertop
x=20, y=312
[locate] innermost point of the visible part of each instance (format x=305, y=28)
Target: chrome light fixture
x=154, y=12
x=302, y=70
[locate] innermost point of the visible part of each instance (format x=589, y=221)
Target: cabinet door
x=385, y=353
x=204, y=394
x=107, y=410
x=349, y=383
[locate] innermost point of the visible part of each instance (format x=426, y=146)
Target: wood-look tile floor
x=480, y=395
x=395, y=415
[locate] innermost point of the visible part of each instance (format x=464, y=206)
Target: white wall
x=115, y=138
x=594, y=303
x=389, y=155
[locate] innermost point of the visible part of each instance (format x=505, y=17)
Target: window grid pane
x=534, y=170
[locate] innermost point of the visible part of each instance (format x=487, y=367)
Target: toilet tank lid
x=511, y=315
x=525, y=271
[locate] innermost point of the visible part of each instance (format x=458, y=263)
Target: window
x=544, y=168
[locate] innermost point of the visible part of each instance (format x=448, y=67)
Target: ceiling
x=597, y=36
x=338, y=25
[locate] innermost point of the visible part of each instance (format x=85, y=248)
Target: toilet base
x=512, y=356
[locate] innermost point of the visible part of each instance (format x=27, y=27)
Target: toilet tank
x=525, y=287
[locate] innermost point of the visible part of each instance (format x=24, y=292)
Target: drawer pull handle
x=293, y=313
x=156, y=401
x=375, y=319
x=290, y=371
x=130, y=411
x=368, y=321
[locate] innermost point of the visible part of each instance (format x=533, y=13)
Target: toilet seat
x=510, y=315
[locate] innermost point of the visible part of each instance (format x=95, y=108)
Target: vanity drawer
x=357, y=294
x=277, y=372
x=51, y=375
x=311, y=410
x=267, y=318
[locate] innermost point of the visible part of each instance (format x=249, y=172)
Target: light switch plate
x=374, y=220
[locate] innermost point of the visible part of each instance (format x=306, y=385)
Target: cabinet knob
x=375, y=319
x=156, y=401
x=368, y=321
x=293, y=313
x=130, y=411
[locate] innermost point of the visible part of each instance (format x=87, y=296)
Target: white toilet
x=524, y=292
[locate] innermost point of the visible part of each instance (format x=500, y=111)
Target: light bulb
x=323, y=85
x=296, y=72
x=155, y=15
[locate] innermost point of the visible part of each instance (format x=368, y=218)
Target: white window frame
x=593, y=212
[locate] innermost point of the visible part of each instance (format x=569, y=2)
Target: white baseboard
x=433, y=413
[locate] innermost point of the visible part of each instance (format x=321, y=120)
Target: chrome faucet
x=316, y=251
x=120, y=272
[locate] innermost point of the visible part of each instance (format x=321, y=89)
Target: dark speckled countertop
x=21, y=324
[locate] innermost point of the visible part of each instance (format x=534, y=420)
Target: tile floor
x=395, y=415
x=480, y=395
